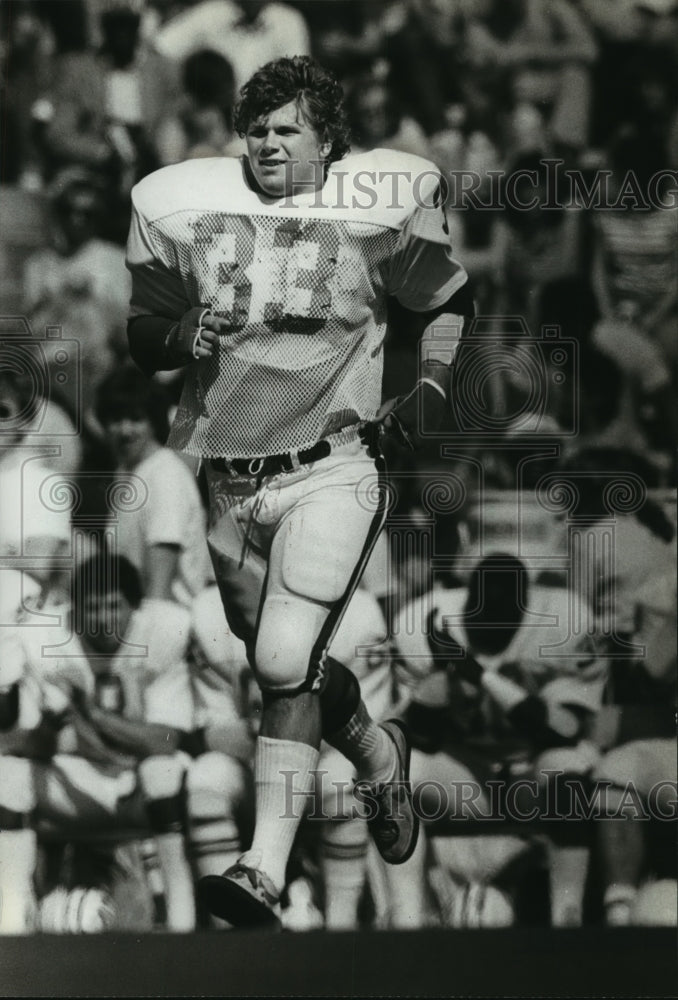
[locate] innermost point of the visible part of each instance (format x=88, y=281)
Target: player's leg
x=240, y=547
x=318, y=555
x=302, y=587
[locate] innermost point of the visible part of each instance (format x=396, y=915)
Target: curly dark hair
x=318, y=94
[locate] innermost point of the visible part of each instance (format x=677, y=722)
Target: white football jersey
x=302, y=282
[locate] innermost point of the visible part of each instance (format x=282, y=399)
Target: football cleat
x=243, y=896
x=393, y=823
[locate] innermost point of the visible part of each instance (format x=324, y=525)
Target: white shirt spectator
x=171, y=514
x=32, y=519
x=277, y=31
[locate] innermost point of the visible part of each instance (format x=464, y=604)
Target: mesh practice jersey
x=302, y=283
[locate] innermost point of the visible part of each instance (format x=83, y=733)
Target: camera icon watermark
x=508, y=382
x=43, y=367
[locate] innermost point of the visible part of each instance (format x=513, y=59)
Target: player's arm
x=426, y=404
x=432, y=287
x=164, y=331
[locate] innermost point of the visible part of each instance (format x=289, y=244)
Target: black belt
x=272, y=465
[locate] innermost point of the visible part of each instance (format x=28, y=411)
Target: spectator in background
x=637, y=728
x=164, y=535
x=351, y=37
x=90, y=739
x=539, y=246
x=248, y=33
x=511, y=690
x=616, y=554
x=26, y=70
x=635, y=269
x=29, y=527
x=80, y=283
x=109, y=105
x=205, y=122
x=635, y=279
x=377, y=121
x=543, y=51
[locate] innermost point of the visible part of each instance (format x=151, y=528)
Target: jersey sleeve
x=424, y=272
x=157, y=286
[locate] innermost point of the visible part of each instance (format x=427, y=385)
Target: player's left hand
x=403, y=418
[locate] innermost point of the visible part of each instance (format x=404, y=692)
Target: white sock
x=367, y=746
x=280, y=802
x=343, y=861
x=18, y=855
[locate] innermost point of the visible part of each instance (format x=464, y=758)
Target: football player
x=266, y=278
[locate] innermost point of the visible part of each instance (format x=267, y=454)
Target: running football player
x=266, y=278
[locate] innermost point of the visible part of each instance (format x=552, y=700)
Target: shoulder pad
x=194, y=184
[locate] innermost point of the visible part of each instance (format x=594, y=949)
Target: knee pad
x=17, y=790
x=215, y=784
x=285, y=643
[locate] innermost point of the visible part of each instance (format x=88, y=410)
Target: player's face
x=286, y=153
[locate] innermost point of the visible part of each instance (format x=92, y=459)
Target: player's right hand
x=193, y=337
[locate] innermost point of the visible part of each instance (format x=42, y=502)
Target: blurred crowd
x=542, y=541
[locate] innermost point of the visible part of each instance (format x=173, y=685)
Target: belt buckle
x=255, y=465
x=294, y=459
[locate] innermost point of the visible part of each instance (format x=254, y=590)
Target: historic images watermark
x=553, y=797
x=547, y=186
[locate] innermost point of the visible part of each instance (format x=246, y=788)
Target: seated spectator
x=248, y=33
x=635, y=268
x=637, y=728
x=512, y=690
x=615, y=552
x=109, y=105
x=163, y=533
x=90, y=739
x=30, y=527
x=80, y=282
